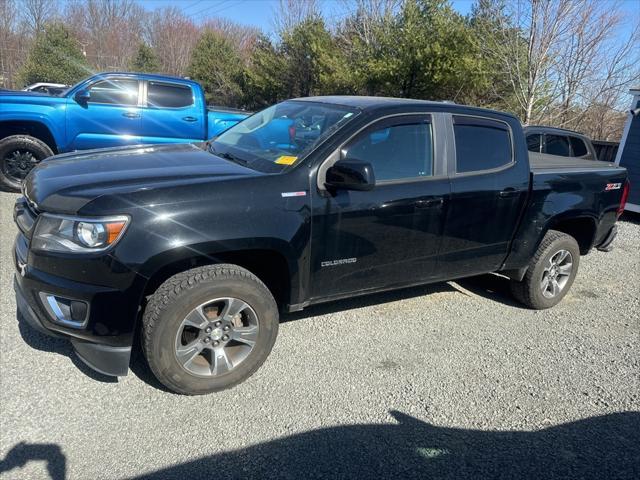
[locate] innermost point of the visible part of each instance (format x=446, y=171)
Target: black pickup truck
x=197, y=248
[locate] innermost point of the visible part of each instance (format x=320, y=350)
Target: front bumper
x=105, y=359
x=104, y=344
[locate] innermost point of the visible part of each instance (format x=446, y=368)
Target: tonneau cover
x=544, y=161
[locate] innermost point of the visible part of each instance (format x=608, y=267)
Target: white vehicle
x=49, y=88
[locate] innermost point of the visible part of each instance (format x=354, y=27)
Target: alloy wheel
x=215, y=337
x=556, y=274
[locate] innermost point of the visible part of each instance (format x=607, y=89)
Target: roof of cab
x=150, y=76
x=537, y=128
x=374, y=103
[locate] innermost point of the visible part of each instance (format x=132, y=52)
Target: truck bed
x=544, y=162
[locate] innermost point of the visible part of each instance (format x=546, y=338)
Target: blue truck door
x=172, y=113
x=109, y=117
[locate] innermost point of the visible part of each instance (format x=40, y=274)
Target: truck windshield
x=281, y=135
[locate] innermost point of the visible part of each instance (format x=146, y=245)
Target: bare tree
x=36, y=13
x=109, y=30
x=525, y=47
x=173, y=36
x=594, y=62
x=292, y=12
x=243, y=37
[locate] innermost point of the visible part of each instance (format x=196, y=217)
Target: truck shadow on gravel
x=604, y=447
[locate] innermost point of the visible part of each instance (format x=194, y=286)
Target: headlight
x=60, y=233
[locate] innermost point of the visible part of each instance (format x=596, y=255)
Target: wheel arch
x=32, y=128
x=268, y=264
x=582, y=228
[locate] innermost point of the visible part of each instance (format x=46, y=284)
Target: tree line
x=565, y=63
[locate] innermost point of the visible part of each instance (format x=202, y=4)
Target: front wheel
x=18, y=155
x=209, y=328
x=551, y=272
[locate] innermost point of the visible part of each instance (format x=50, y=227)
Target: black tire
x=177, y=297
x=30, y=150
x=529, y=291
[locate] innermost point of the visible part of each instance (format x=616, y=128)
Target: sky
x=259, y=13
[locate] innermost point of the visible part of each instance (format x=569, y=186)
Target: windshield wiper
x=230, y=156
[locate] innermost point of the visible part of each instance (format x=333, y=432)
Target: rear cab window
x=578, y=147
x=534, y=142
x=557, y=145
x=481, y=144
x=169, y=95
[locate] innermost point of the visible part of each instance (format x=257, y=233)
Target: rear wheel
x=551, y=272
x=209, y=328
x=18, y=155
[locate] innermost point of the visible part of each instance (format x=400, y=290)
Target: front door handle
x=190, y=119
x=509, y=192
x=131, y=115
x=429, y=202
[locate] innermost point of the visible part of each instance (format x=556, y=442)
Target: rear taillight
x=623, y=200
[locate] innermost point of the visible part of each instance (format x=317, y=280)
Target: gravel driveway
x=453, y=380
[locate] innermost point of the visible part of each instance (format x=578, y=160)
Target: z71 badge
x=613, y=186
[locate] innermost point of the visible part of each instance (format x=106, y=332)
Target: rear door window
x=481, y=144
x=557, y=145
x=169, y=95
x=578, y=147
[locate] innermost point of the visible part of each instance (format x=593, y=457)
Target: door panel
x=388, y=236
x=486, y=199
x=110, y=118
x=171, y=114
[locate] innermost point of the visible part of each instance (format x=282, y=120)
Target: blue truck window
x=167, y=95
x=117, y=91
x=481, y=144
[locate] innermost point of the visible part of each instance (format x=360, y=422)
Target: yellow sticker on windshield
x=286, y=160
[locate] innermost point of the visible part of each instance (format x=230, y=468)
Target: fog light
x=67, y=312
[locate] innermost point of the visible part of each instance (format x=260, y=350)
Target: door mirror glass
x=82, y=96
x=350, y=174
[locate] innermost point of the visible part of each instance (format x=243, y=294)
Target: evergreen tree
x=218, y=67
x=145, y=60
x=55, y=57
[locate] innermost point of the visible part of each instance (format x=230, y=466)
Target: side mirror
x=350, y=174
x=82, y=96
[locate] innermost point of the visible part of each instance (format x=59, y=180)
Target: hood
x=65, y=183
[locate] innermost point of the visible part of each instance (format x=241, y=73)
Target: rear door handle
x=509, y=192
x=131, y=115
x=190, y=119
x=429, y=202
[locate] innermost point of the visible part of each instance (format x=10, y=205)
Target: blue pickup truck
x=104, y=110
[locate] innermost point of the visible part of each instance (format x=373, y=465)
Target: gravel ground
x=453, y=380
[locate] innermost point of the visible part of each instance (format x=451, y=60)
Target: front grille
x=24, y=216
